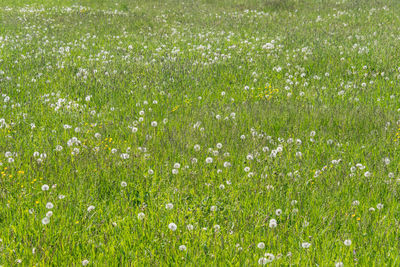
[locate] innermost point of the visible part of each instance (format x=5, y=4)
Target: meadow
x=199, y=133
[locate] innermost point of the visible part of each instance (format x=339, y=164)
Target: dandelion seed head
x=172, y=226
x=90, y=208
x=45, y=187
x=273, y=223
x=45, y=220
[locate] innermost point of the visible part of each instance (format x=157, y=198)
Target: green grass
x=82, y=82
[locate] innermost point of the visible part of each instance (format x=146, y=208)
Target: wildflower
x=273, y=223
x=177, y=165
x=45, y=220
x=169, y=206
x=141, y=216
x=387, y=161
x=45, y=187
x=270, y=257
x=347, y=242
x=262, y=261
x=261, y=245
x=305, y=245
x=172, y=226
x=123, y=184
x=90, y=208
x=124, y=156
x=182, y=247
x=85, y=262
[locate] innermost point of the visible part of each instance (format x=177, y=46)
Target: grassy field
x=199, y=133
